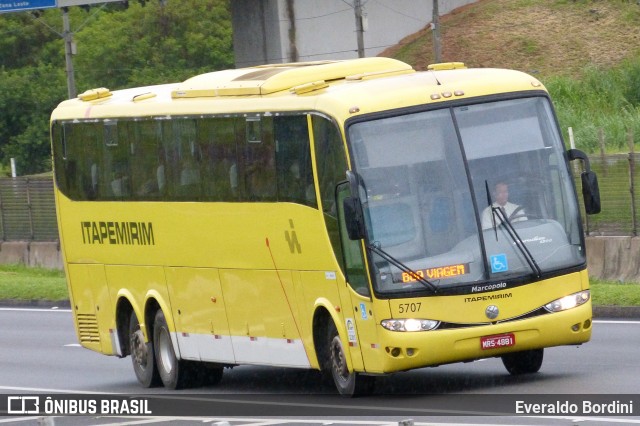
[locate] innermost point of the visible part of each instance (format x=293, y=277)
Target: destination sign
x=439, y=272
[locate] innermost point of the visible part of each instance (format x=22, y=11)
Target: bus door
x=356, y=296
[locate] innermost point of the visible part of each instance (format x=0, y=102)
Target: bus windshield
x=465, y=196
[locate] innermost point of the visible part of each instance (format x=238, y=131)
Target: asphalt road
x=39, y=354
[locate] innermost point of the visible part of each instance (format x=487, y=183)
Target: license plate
x=499, y=341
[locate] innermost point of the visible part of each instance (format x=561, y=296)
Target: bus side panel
x=321, y=289
x=142, y=282
x=92, y=307
x=303, y=316
x=261, y=306
x=198, y=305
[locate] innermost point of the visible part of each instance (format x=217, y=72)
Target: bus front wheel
x=142, y=355
x=524, y=362
x=174, y=373
x=348, y=383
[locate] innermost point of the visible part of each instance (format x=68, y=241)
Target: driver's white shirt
x=509, y=208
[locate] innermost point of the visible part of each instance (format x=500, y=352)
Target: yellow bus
x=355, y=217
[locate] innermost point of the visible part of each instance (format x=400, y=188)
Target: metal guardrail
x=27, y=209
x=619, y=181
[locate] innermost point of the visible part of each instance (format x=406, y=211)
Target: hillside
x=542, y=37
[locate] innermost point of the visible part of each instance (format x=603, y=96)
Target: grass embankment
x=612, y=293
x=22, y=283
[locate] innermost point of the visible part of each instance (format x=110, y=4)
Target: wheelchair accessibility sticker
x=499, y=263
x=363, y=311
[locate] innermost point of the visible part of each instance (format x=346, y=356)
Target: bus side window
x=330, y=160
x=189, y=152
x=293, y=160
x=117, y=154
x=230, y=157
x=59, y=142
x=259, y=160
x=331, y=163
x=77, y=170
x=90, y=161
x=206, y=140
x=219, y=165
x=148, y=174
x=181, y=159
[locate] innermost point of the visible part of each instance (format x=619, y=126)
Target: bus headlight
x=568, y=302
x=409, y=324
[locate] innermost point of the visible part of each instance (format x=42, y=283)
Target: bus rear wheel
x=142, y=356
x=174, y=373
x=348, y=383
x=525, y=362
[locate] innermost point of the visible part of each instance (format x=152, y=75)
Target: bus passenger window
x=90, y=181
x=147, y=155
x=118, y=149
x=293, y=159
x=216, y=138
x=190, y=174
x=259, y=160
x=120, y=181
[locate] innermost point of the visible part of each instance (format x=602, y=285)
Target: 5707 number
x=409, y=307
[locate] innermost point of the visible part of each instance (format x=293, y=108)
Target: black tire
x=348, y=383
x=525, y=362
x=174, y=373
x=142, y=355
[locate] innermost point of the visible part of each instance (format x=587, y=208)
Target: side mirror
x=590, y=188
x=590, y=192
x=354, y=218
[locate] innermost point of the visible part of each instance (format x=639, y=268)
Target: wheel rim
x=139, y=348
x=338, y=360
x=165, y=352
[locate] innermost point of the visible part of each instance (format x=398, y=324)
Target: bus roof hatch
x=446, y=66
x=266, y=79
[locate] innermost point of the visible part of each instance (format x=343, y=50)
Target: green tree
x=23, y=36
x=152, y=42
x=27, y=97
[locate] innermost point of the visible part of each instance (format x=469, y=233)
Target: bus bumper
x=402, y=351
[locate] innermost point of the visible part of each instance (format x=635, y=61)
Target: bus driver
x=513, y=212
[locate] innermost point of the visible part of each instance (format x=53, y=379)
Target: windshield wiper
x=502, y=215
x=404, y=268
x=490, y=205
